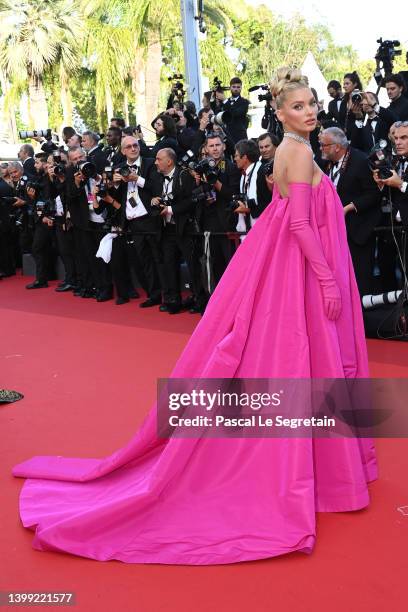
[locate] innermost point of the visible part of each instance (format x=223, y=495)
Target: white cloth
x=335, y=171
x=167, y=190
x=105, y=248
x=59, y=209
x=251, y=175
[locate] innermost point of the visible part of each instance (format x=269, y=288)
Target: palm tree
x=34, y=36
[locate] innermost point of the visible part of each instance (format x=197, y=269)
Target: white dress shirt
x=167, y=190
x=132, y=212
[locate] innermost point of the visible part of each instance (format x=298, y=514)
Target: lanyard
x=247, y=181
x=334, y=175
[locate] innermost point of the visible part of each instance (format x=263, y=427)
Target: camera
x=108, y=172
x=219, y=118
x=60, y=166
x=202, y=193
x=241, y=197
x=44, y=208
x=218, y=86
x=125, y=171
x=185, y=161
x=268, y=168
x=386, y=53
x=177, y=87
x=87, y=169
x=32, y=184
x=206, y=167
x=380, y=158
x=356, y=96
x=267, y=97
x=47, y=134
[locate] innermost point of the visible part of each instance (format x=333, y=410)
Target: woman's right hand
x=331, y=300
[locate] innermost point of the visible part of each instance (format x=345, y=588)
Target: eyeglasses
x=329, y=144
x=132, y=146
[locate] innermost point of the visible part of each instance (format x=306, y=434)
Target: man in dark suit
x=371, y=123
x=398, y=184
x=335, y=91
x=94, y=152
x=26, y=157
x=360, y=196
x=213, y=213
x=129, y=201
x=172, y=191
x=236, y=109
x=395, y=86
x=112, y=152
x=7, y=260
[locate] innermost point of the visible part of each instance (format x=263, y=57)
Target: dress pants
x=66, y=250
x=221, y=247
x=98, y=270
x=175, y=247
x=41, y=250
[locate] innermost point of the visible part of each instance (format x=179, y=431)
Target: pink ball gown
x=213, y=501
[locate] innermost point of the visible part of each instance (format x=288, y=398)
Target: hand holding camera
x=18, y=203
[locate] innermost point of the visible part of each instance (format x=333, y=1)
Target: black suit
x=139, y=252
x=177, y=240
x=400, y=108
x=333, y=111
x=236, y=119
x=29, y=167
x=165, y=142
x=97, y=157
x=364, y=137
x=216, y=217
x=264, y=195
x=7, y=230
x=356, y=185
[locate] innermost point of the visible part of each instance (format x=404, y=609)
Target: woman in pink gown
x=287, y=306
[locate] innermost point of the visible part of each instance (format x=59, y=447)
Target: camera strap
x=341, y=169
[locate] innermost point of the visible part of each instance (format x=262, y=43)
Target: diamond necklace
x=298, y=138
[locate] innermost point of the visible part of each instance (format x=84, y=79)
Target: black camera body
x=356, y=97
x=241, y=197
x=218, y=86
x=386, y=53
x=207, y=168
x=87, y=169
x=268, y=167
x=380, y=158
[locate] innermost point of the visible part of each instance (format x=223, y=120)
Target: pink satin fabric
x=213, y=501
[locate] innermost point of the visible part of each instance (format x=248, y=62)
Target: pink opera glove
x=299, y=201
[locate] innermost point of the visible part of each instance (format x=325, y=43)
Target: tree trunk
x=8, y=110
x=38, y=103
x=153, y=69
x=126, y=106
x=109, y=103
x=139, y=86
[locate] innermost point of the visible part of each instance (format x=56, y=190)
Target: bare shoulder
x=293, y=164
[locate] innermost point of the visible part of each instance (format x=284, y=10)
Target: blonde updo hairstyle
x=287, y=80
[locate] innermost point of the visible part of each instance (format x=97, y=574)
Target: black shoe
x=163, y=308
x=87, y=293
x=150, y=302
x=188, y=303
x=104, y=296
x=78, y=291
x=64, y=287
x=62, y=283
x=133, y=295
x=37, y=285
x=122, y=300
x=173, y=308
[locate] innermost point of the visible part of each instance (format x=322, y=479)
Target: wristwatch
x=403, y=187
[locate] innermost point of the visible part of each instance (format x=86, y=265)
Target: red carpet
x=75, y=359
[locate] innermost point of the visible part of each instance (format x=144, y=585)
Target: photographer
x=246, y=204
x=351, y=85
x=334, y=91
x=267, y=144
x=185, y=135
x=395, y=86
x=166, y=132
x=236, y=109
x=112, y=152
x=352, y=177
x=128, y=198
x=57, y=168
x=38, y=191
x=270, y=123
x=212, y=211
x=26, y=157
x=206, y=126
x=371, y=123
x=96, y=280
x=22, y=207
x=94, y=154
x=398, y=181
x=7, y=259
x=172, y=191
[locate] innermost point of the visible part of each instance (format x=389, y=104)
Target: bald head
x=165, y=160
